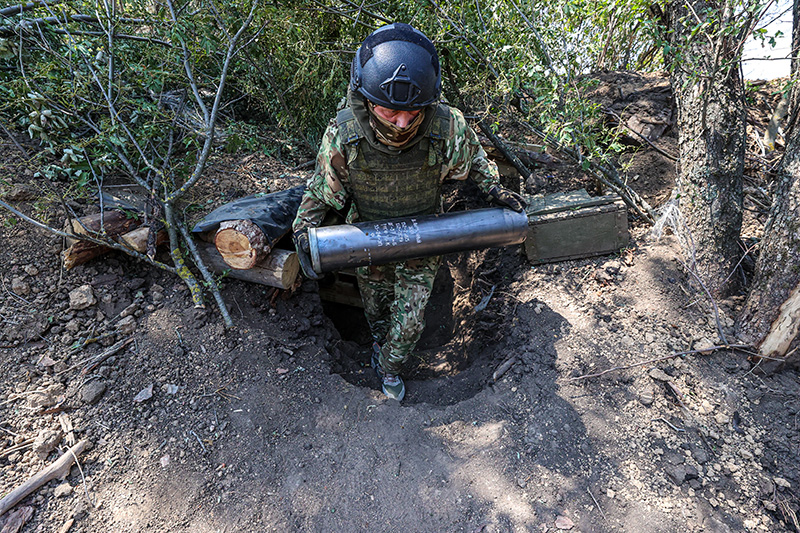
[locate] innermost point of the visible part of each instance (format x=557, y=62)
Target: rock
x=674, y=458
x=73, y=326
x=47, y=398
x=779, y=481
x=564, y=523
x=646, y=395
x=45, y=442
x=129, y=311
x=706, y=407
x=127, y=325
x=659, y=375
x=603, y=277
x=677, y=473
x=144, y=394
x=92, y=392
x=704, y=345
x=692, y=473
x=63, y=490
x=722, y=419
x=31, y=270
x=20, y=287
x=700, y=456
x=82, y=297
x=613, y=267
x=649, y=338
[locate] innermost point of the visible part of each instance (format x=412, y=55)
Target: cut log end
x=241, y=243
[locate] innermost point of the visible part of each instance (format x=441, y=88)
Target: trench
x=453, y=360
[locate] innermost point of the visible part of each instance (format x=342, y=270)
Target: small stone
x=82, y=297
x=704, y=346
x=722, y=419
x=677, y=473
x=779, y=481
x=713, y=502
x=45, y=442
x=63, y=490
x=127, y=325
x=692, y=473
x=129, y=311
x=73, y=326
x=674, y=458
x=646, y=396
x=610, y=493
x=649, y=338
x=31, y=270
x=706, y=407
x=20, y=287
x=659, y=375
x=700, y=456
x=157, y=297
x=92, y=392
x=564, y=523
x=731, y=467
x=144, y=394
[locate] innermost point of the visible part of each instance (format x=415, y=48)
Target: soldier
x=385, y=155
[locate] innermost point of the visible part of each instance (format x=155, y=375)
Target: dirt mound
x=279, y=426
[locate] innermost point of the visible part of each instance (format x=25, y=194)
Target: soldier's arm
x=324, y=189
x=465, y=157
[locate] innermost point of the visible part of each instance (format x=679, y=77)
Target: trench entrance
x=453, y=359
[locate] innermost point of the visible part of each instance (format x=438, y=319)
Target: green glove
x=508, y=198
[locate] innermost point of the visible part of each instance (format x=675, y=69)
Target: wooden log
x=57, y=469
x=784, y=329
x=137, y=239
x=82, y=251
x=114, y=222
x=241, y=243
x=279, y=269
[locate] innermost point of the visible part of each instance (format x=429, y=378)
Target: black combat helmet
x=397, y=67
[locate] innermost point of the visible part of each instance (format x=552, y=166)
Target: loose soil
x=278, y=425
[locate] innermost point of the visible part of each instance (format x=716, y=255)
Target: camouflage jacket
x=327, y=188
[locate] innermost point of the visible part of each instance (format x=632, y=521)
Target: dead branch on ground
x=661, y=359
x=57, y=469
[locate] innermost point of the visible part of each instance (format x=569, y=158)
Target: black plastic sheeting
x=273, y=213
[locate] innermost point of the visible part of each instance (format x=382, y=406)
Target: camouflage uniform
x=394, y=295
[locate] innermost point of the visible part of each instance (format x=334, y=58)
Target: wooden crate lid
x=565, y=201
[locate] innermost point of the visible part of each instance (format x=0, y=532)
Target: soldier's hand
x=300, y=238
x=508, y=198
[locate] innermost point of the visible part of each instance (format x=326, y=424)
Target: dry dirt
x=279, y=426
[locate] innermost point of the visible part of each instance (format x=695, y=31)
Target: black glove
x=508, y=198
x=300, y=238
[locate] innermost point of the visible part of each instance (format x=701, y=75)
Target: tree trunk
x=794, y=95
x=770, y=318
x=711, y=126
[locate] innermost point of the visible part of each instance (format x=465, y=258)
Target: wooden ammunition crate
x=573, y=224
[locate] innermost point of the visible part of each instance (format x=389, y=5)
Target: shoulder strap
x=349, y=129
x=441, y=123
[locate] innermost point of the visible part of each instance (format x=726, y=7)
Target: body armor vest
x=385, y=185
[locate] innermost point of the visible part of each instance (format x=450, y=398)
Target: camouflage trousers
x=395, y=296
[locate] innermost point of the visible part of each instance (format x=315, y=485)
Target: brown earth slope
x=279, y=426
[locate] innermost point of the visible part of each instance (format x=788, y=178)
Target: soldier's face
x=401, y=119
